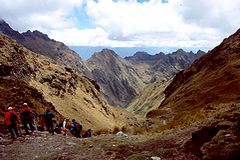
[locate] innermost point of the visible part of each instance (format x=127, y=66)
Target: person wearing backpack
x=76, y=128
x=49, y=121
x=11, y=121
x=27, y=118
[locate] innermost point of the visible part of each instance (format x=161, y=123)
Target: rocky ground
x=42, y=145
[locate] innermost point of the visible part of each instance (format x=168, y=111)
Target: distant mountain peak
x=105, y=53
x=36, y=34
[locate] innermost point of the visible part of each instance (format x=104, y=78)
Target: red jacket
x=23, y=109
x=7, y=117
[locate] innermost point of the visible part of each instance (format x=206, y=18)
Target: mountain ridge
x=37, y=79
x=40, y=43
x=120, y=79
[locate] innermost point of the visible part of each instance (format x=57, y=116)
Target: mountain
x=206, y=95
x=119, y=79
x=27, y=76
x=42, y=44
x=209, y=80
x=168, y=64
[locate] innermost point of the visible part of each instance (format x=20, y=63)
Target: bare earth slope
x=207, y=95
x=213, y=79
x=71, y=94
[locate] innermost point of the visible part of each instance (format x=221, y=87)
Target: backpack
x=26, y=113
x=78, y=127
x=13, y=117
x=49, y=116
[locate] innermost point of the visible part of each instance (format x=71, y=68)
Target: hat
x=25, y=104
x=10, y=108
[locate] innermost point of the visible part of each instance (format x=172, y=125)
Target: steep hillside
x=149, y=99
x=212, y=80
x=47, y=84
x=206, y=95
x=42, y=44
x=120, y=81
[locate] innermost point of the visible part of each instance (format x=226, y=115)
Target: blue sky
x=127, y=23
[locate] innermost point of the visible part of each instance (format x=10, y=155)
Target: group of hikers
x=29, y=121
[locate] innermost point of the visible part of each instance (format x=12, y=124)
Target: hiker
x=57, y=127
x=63, y=126
x=76, y=128
x=87, y=134
x=41, y=122
x=11, y=121
x=27, y=118
x=49, y=121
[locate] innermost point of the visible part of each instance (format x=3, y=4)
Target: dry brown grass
x=101, y=131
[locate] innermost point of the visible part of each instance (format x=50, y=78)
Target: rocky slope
x=207, y=93
x=166, y=64
x=213, y=79
x=120, y=80
x=42, y=44
x=48, y=85
x=124, y=79
x=42, y=145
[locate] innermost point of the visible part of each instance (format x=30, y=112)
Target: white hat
x=10, y=108
x=25, y=104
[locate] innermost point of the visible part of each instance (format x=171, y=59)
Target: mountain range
x=124, y=79
x=120, y=80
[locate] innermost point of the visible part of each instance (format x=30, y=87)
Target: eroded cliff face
x=27, y=76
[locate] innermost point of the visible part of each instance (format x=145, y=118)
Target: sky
x=126, y=23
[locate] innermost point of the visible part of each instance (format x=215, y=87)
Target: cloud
x=126, y=23
x=39, y=14
x=217, y=14
x=149, y=24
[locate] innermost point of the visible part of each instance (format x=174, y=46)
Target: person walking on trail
x=76, y=128
x=11, y=121
x=26, y=117
x=49, y=121
x=63, y=125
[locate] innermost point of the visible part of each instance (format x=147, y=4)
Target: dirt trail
x=42, y=145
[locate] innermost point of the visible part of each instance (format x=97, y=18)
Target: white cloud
x=150, y=24
x=178, y=23
x=39, y=14
x=220, y=15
